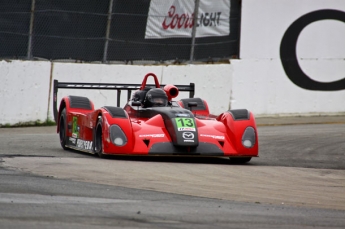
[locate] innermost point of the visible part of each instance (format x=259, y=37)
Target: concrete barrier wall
x=260, y=82
x=267, y=91
x=24, y=90
x=257, y=81
x=26, y=85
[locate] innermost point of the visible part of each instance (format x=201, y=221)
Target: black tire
x=97, y=139
x=63, y=129
x=239, y=160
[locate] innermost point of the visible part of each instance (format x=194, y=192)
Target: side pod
x=241, y=127
x=73, y=104
x=116, y=131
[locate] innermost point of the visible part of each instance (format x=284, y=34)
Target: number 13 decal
x=185, y=122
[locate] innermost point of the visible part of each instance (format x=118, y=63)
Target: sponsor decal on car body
x=185, y=124
x=185, y=129
x=152, y=135
x=72, y=140
x=188, y=136
x=213, y=136
x=84, y=144
x=75, y=127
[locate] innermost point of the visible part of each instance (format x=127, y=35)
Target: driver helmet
x=140, y=95
x=156, y=97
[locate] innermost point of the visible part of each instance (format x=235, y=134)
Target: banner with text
x=174, y=18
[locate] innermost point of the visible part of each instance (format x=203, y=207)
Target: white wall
x=259, y=80
x=264, y=89
x=264, y=23
x=24, y=89
x=25, y=85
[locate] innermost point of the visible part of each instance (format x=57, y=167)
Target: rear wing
x=110, y=86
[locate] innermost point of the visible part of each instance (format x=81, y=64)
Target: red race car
x=151, y=123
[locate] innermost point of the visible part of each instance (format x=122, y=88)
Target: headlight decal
x=249, y=138
x=117, y=136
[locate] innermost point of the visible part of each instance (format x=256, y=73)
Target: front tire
x=63, y=129
x=98, y=139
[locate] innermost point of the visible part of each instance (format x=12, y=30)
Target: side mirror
x=136, y=103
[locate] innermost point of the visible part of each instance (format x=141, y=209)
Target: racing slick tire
x=63, y=129
x=98, y=136
x=239, y=160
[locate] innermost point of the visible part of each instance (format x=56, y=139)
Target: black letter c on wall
x=288, y=54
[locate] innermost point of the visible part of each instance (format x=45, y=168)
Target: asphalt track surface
x=297, y=182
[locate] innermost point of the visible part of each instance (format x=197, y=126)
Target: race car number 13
x=184, y=122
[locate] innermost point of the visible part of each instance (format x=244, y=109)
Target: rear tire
x=98, y=139
x=63, y=129
x=239, y=160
